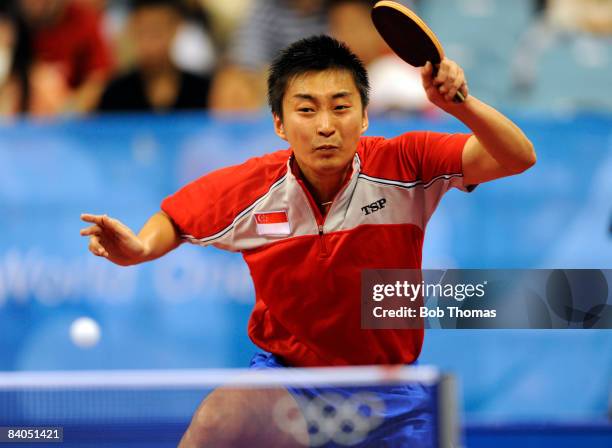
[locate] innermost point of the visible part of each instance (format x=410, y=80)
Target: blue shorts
x=388, y=416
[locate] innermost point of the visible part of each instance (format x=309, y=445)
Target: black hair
x=313, y=54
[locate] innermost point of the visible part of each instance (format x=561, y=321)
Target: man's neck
x=323, y=187
x=162, y=87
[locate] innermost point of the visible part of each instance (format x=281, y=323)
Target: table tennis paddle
x=408, y=36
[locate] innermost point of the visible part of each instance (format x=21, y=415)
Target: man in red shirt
x=67, y=38
x=310, y=218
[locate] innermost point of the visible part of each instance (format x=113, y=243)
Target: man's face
x=323, y=119
x=153, y=32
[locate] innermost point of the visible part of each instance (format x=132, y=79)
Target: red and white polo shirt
x=306, y=267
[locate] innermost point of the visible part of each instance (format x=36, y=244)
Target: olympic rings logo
x=329, y=417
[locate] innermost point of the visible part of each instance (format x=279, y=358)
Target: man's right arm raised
x=111, y=239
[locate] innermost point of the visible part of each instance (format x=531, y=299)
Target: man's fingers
x=448, y=81
x=115, y=225
x=94, y=219
x=454, y=88
x=426, y=73
x=106, y=232
x=101, y=220
x=443, y=71
x=108, y=222
x=105, y=222
x=459, y=81
x=450, y=96
x=94, y=232
x=96, y=248
x=449, y=73
x=91, y=230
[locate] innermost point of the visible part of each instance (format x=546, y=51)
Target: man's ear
x=365, y=122
x=278, y=127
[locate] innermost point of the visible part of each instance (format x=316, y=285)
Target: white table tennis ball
x=85, y=332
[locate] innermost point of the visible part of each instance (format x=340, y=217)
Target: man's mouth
x=326, y=147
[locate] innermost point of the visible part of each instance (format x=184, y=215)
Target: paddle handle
x=459, y=98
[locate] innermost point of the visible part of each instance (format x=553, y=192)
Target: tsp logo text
x=374, y=206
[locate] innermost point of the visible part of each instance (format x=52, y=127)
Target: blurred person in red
x=97, y=5
x=14, y=64
x=396, y=86
x=25, y=87
x=156, y=83
x=69, y=52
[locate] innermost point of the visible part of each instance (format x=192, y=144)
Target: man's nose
x=325, y=126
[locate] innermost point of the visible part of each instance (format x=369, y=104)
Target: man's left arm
x=498, y=147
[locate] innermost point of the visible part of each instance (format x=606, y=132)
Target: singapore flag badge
x=272, y=223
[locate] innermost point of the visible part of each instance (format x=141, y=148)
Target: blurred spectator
x=26, y=87
x=14, y=64
x=269, y=26
x=98, y=6
x=591, y=16
x=194, y=49
x=7, y=43
x=70, y=56
x=395, y=85
x=156, y=83
x=555, y=21
x=225, y=17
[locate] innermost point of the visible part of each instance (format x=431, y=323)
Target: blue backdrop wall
x=190, y=308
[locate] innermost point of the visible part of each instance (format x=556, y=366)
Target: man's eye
x=306, y=109
x=342, y=107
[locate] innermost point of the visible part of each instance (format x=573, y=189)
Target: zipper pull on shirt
x=324, y=252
